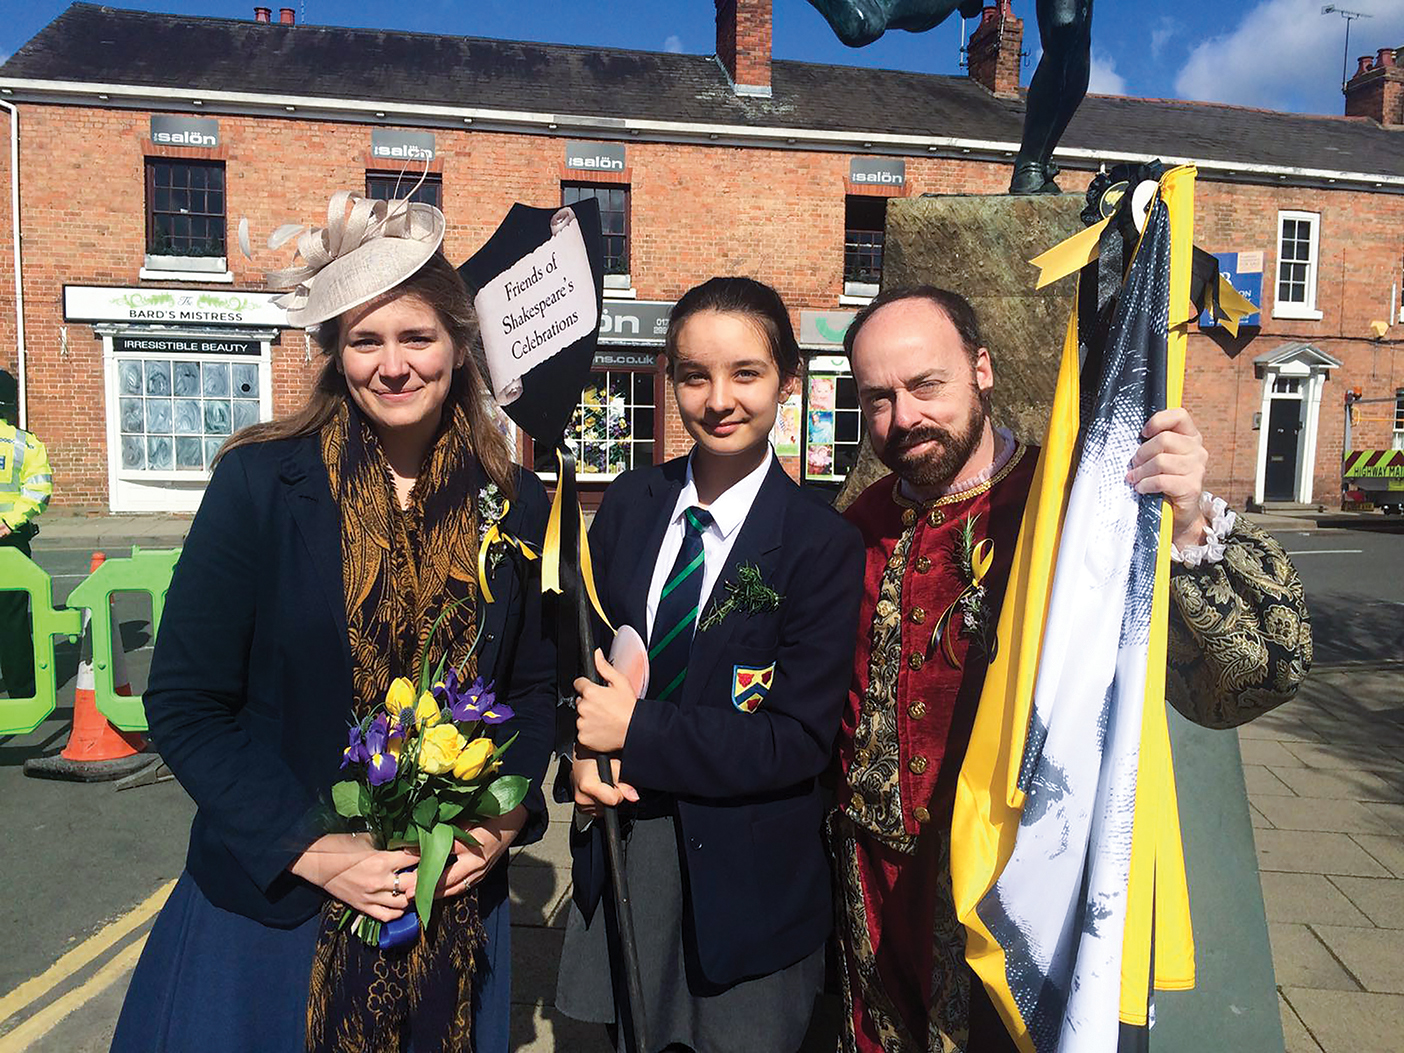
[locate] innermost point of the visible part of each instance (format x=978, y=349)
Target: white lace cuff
x=1219, y=524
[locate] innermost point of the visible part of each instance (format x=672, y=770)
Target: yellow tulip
x=440, y=748
x=471, y=761
x=399, y=697
x=427, y=712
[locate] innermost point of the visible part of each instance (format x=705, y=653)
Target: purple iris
x=497, y=712
x=446, y=690
x=355, y=751
x=470, y=704
x=381, y=769
x=378, y=734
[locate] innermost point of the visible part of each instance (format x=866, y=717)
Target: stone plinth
x=979, y=245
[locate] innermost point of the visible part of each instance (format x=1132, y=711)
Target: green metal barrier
x=147, y=571
x=144, y=571
x=20, y=716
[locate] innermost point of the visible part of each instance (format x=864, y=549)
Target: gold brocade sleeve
x=1240, y=634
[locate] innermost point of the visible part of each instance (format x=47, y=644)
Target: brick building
x=144, y=337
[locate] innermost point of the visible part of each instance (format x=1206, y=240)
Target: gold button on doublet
x=916, y=710
x=917, y=764
x=857, y=802
x=918, y=615
x=935, y=517
x=922, y=564
x=915, y=660
x=860, y=758
x=886, y=608
x=908, y=517
x=894, y=561
x=921, y=815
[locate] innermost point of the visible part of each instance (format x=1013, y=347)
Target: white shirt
x=728, y=511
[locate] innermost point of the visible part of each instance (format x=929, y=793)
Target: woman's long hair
x=438, y=285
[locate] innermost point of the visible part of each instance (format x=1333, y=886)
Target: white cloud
x=1105, y=79
x=673, y=44
x=1160, y=36
x=1286, y=55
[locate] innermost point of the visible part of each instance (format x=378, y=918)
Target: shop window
x=616, y=425
x=185, y=213
x=614, y=222
x=1398, y=441
x=387, y=186
x=833, y=423
x=175, y=413
x=1298, y=244
x=864, y=219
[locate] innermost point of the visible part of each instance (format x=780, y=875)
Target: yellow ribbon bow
x=494, y=535
x=981, y=559
x=551, y=550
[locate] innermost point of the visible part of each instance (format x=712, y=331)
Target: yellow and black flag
x=1066, y=854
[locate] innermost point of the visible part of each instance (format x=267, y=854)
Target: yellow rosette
x=473, y=759
x=440, y=748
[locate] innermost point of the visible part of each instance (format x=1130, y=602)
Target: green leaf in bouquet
x=424, y=682
x=434, y=848
x=365, y=801
x=500, y=751
x=346, y=797
x=425, y=813
x=448, y=810
x=507, y=791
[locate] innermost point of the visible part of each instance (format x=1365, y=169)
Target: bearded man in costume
x=1239, y=644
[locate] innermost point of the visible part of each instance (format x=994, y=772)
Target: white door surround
x=1298, y=372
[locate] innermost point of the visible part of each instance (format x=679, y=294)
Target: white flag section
x=537, y=308
x=1059, y=907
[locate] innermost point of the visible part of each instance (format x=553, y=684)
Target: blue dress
x=219, y=982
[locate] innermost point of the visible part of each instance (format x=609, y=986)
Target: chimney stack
x=995, y=51
x=286, y=15
x=743, y=44
x=263, y=14
x=1377, y=88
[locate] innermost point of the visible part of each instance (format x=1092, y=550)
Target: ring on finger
x=395, y=885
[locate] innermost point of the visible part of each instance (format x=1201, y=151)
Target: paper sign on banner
x=537, y=308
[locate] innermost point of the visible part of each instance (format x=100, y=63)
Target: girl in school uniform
x=746, y=589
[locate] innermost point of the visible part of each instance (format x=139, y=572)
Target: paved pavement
x=1325, y=778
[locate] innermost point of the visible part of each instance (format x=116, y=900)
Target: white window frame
x=1289, y=309
x=175, y=489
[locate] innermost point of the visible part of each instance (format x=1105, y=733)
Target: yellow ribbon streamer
x=551, y=550
x=1233, y=306
x=494, y=535
x=1068, y=257
x=981, y=559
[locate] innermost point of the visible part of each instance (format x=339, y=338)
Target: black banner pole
x=583, y=630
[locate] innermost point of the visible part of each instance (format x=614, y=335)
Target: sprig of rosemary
x=748, y=593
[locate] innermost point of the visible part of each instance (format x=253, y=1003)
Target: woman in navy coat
x=747, y=589
x=324, y=547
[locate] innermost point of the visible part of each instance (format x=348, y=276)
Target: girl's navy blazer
x=250, y=686
x=749, y=807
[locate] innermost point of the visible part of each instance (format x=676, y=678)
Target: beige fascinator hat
x=367, y=248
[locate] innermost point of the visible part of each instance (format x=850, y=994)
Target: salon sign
x=95, y=303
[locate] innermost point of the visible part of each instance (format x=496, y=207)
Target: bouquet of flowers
x=420, y=768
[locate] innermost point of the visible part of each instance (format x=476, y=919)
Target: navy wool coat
x=749, y=807
x=249, y=695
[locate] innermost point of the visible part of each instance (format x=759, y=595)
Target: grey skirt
x=769, y=1014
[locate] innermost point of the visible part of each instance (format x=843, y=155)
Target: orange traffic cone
x=96, y=751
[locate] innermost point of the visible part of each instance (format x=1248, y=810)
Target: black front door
x=1280, y=479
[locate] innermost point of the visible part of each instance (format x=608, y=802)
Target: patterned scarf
x=400, y=569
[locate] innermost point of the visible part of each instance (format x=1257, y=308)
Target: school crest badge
x=749, y=686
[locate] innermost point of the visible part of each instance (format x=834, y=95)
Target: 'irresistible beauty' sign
x=538, y=307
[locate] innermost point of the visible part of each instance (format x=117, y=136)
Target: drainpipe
x=19, y=281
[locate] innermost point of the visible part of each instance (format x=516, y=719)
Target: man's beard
x=937, y=466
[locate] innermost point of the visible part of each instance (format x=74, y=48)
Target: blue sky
x=1278, y=54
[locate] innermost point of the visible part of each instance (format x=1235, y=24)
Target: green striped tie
x=676, y=618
